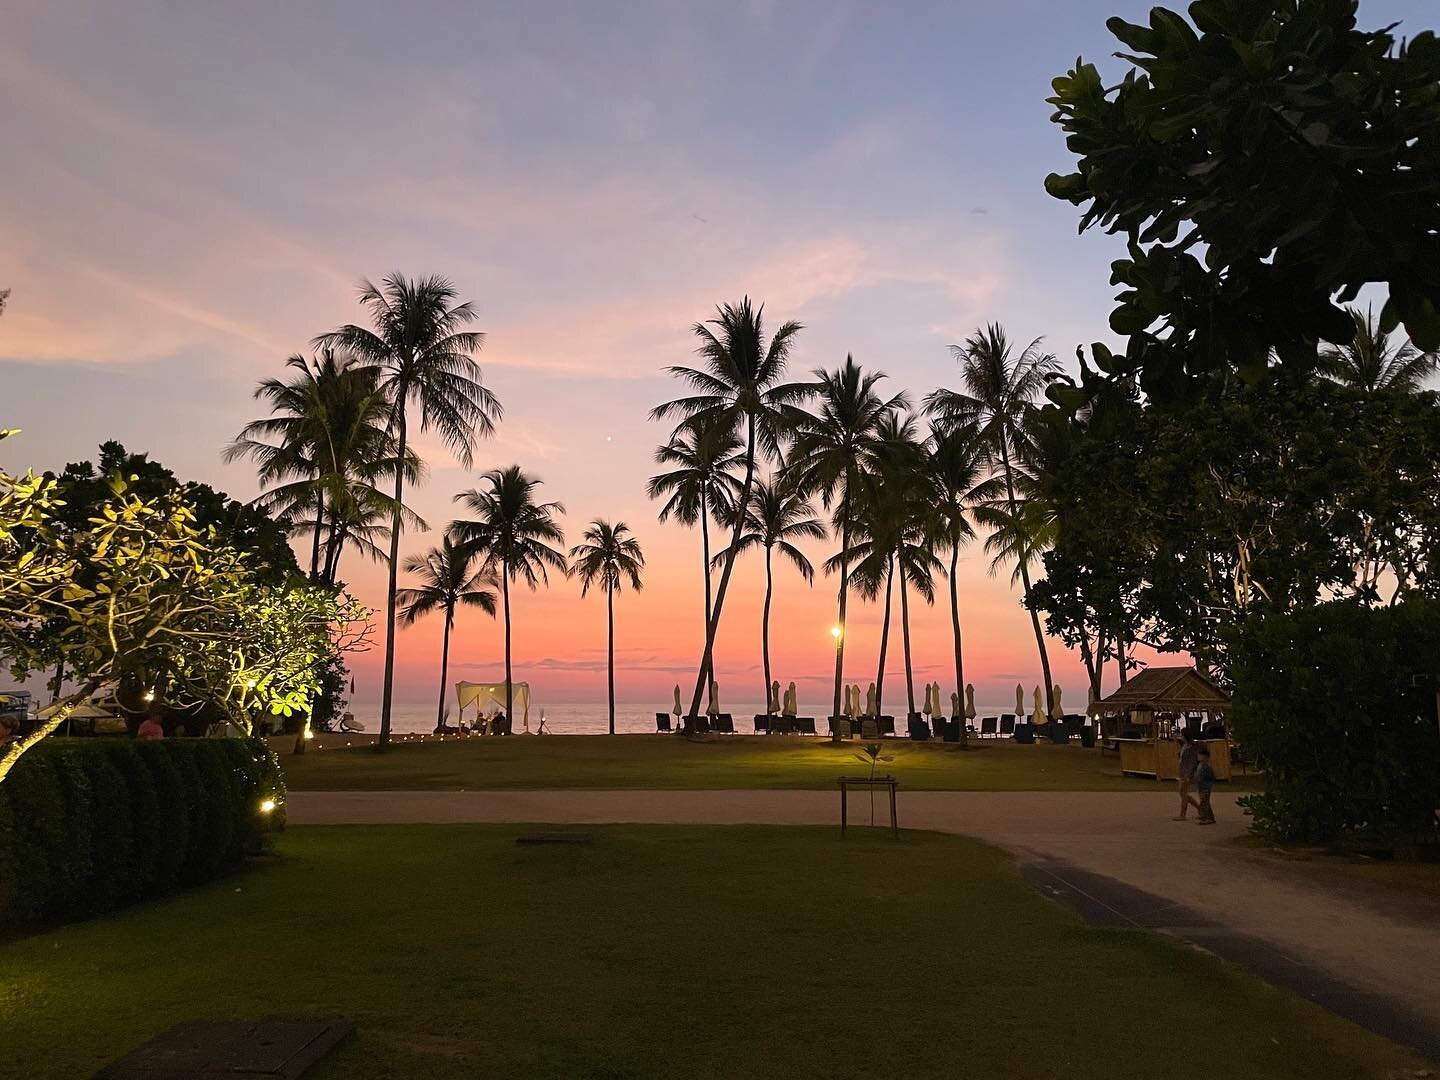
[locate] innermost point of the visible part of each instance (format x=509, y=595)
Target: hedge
x=1337, y=704
x=90, y=825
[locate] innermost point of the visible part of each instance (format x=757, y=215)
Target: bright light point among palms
x=834, y=631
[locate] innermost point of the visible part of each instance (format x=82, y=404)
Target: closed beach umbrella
x=870, y=701
x=854, y=701
x=1057, y=710
x=792, y=701
x=955, y=705
x=773, y=705
x=677, y=710
x=929, y=699
x=1019, y=701
x=714, y=708
x=1038, y=718
x=970, y=701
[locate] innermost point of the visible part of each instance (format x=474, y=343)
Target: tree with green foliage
x=611, y=556
x=446, y=583
x=512, y=535
x=1264, y=160
x=419, y=343
x=1376, y=361
x=738, y=388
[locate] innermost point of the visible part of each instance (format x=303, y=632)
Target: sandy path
x=1371, y=943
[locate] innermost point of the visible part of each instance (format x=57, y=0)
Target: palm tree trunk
x=388, y=688
x=315, y=542
x=905, y=634
x=509, y=690
x=844, y=592
x=884, y=639
x=712, y=627
x=955, y=628
x=705, y=549
x=444, y=671
x=610, y=658
x=765, y=631
x=1022, y=557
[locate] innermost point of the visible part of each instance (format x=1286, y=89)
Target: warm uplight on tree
x=835, y=631
x=267, y=806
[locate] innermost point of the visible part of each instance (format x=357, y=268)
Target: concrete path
x=1368, y=953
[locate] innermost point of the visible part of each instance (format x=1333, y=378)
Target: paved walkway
x=1368, y=953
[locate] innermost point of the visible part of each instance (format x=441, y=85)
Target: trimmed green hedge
x=1337, y=704
x=90, y=825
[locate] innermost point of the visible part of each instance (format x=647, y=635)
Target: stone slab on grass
x=235, y=1049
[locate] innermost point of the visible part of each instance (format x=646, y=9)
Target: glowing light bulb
x=834, y=631
x=267, y=806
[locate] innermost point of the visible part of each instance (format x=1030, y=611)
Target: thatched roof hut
x=1166, y=690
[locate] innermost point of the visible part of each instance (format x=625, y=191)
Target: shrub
x=1337, y=703
x=90, y=825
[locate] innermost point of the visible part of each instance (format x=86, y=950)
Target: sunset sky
x=191, y=191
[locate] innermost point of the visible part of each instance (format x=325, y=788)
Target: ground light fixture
x=267, y=806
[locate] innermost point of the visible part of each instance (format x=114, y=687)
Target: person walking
x=1204, y=783
x=1189, y=759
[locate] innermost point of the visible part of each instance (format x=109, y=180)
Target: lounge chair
x=937, y=726
x=1024, y=733
x=841, y=726
x=1058, y=732
x=782, y=725
x=724, y=724
x=762, y=724
x=989, y=727
x=804, y=725
x=885, y=725
x=869, y=730
x=662, y=722
x=952, y=729
x=919, y=730
x=1007, y=725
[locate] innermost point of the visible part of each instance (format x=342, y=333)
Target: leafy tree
x=418, y=340
x=1264, y=160
x=831, y=450
x=446, y=583
x=999, y=388
x=778, y=515
x=512, y=535
x=609, y=555
x=701, y=485
x=163, y=606
x=737, y=388
x=1374, y=361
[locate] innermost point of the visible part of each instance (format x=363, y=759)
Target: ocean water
x=592, y=718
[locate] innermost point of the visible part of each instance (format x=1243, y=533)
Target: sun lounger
x=1007, y=725
x=1024, y=733
x=662, y=722
x=762, y=724
x=989, y=727
x=919, y=729
x=869, y=730
x=804, y=725
x=842, y=726
x=1059, y=734
x=782, y=725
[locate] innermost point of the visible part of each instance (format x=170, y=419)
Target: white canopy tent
x=482, y=694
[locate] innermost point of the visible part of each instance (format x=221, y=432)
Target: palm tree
x=446, y=583
x=777, y=516
x=512, y=535
x=870, y=559
x=999, y=386
x=701, y=485
x=424, y=355
x=830, y=451
x=325, y=444
x=737, y=388
x=610, y=555
x=955, y=465
x=1374, y=362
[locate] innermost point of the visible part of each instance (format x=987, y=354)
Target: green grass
x=669, y=762
x=662, y=952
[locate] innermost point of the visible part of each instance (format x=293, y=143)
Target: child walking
x=1205, y=783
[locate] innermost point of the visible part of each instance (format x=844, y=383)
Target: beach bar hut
x=1141, y=719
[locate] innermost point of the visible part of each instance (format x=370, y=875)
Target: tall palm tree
x=325, y=444
x=512, y=535
x=999, y=385
x=869, y=559
x=831, y=449
x=777, y=516
x=418, y=341
x=701, y=486
x=737, y=388
x=446, y=582
x=955, y=465
x=1376, y=361
x=610, y=555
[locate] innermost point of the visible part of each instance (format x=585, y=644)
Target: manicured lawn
x=663, y=952
x=666, y=761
